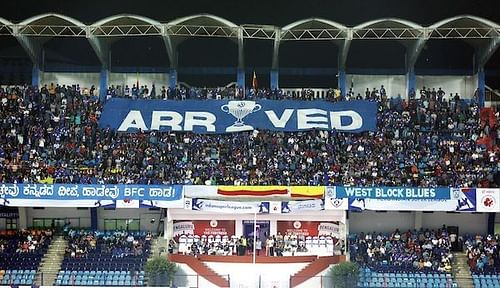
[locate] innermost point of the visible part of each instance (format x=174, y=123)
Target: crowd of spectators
x=118, y=244
x=423, y=250
x=51, y=135
x=483, y=253
x=23, y=249
x=229, y=92
x=24, y=241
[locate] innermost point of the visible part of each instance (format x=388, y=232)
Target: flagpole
x=254, y=235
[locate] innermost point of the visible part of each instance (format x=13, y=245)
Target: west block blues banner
x=90, y=192
x=390, y=193
x=464, y=200
x=227, y=116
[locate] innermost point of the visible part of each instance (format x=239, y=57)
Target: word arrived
x=401, y=193
x=305, y=119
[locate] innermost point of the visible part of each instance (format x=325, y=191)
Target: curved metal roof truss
x=205, y=25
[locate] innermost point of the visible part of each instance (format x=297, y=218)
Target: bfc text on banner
x=91, y=192
x=390, y=193
x=227, y=116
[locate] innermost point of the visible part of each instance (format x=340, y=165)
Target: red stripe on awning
x=251, y=192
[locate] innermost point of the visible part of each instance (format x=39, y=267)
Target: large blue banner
x=227, y=116
x=91, y=192
x=390, y=193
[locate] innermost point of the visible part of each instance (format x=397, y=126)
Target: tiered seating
x=21, y=255
x=104, y=259
x=17, y=277
x=100, y=278
x=369, y=278
x=486, y=280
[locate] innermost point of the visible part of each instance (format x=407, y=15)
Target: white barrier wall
x=386, y=222
x=393, y=84
x=471, y=223
x=465, y=86
x=86, y=80
x=372, y=221
x=122, y=79
x=270, y=275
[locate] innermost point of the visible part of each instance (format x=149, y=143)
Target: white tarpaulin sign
x=233, y=207
x=183, y=228
x=299, y=206
x=488, y=200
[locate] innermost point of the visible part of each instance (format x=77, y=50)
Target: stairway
x=313, y=269
x=159, y=247
x=201, y=269
x=51, y=262
x=462, y=271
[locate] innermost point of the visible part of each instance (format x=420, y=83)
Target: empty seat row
x=60, y=282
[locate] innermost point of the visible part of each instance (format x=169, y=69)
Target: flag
x=254, y=81
x=252, y=190
x=307, y=191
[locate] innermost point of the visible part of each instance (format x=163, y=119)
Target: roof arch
x=395, y=23
x=55, y=16
x=203, y=19
x=314, y=21
x=132, y=18
x=5, y=21
x=464, y=19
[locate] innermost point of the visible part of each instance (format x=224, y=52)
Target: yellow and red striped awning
x=307, y=191
x=252, y=190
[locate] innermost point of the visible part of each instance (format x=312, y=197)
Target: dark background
x=149, y=51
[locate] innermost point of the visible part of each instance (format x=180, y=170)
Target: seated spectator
x=422, y=142
x=424, y=250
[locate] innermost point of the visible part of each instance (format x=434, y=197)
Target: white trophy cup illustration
x=240, y=109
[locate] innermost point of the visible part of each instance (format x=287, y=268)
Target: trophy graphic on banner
x=240, y=109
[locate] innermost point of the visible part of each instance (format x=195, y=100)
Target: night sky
x=149, y=52
x=350, y=12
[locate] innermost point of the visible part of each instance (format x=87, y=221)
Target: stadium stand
x=483, y=259
x=111, y=258
x=430, y=141
x=403, y=259
x=20, y=255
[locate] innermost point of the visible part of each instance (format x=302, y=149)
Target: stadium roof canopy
x=51, y=24
x=482, y=34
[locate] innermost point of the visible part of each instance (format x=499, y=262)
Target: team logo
x=488, y=201
x=330, y=192
x=213, y=223
x=337, y=203
x=240, y=109
x=297, y=224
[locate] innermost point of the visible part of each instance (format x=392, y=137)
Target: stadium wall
x=122, y=79
x=144, y=215
x=386, y=222
x=79, y=217
x=396, y=85
x=465, y=86
x=85, y=80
